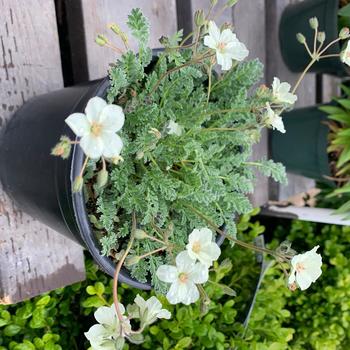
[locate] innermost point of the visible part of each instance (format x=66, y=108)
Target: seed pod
x=301, y=38
x=101, y=40
x=78, y=184
x=102, y=178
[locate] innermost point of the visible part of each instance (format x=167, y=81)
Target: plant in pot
x=339, y=153
x=333, y=15
x=153, y=176
x=308, y=156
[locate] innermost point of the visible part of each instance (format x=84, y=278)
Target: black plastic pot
x=295, y=19
x=40, y=183
x=303, y=148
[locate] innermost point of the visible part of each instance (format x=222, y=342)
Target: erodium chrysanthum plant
x=168, y=163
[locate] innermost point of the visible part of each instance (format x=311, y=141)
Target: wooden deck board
x=31, y=255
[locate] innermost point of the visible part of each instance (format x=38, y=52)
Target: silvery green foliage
x=163, y=176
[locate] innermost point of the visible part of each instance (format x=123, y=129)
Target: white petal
x=291, y=278
x=227, y=36
x=210, y=252
x=94, y=108
x=105, y=315
x=167, y=273
x=214, y=31
x=92, y=146
x=112, y=145
x=164, y=314
x=199, y=273
x=303, y=280
x=275, y=85
x=184, y=262
x=96, y=333
x=225, y=61
x=140, y=302
x=210, y=42
x=177, y=293
x=153, y=305
x=79, y=124
x=278, y=124
x=192, y=294
x=112, y=118
x=237, y=50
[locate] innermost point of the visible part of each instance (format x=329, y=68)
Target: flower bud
x=321, y=37
x=156, y=133
x=102, y=178
x=132, y=260
x=313, y=22
x=115, y=28
x=101, y=40
x=344, y=33
x=78, y=184
x=199, y=18
x=213, y=2
x=116, y=160
x=231, y=3
x=301, y=38
x=140, y=155
x=63, y=148
x=140, y=234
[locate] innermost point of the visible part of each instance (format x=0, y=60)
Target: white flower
x=174, y=128
x=306, y=268
x=183, y=278
x=281, y=92
x=107, y=334
x=273, y=119
x=202, y=247
x=150, y=310
x=97, y=128
x=226, y=45
x=345, y=54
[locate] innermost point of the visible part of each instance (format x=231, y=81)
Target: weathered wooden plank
x=33, y=258
x=250, y=26
x=97, y=14
x=306, y=92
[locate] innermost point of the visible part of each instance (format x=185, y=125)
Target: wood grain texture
x=250, y=26
x=275, y=67
x=97, y=14
x=33, y=258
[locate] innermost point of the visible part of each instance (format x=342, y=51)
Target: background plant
x=339, y=151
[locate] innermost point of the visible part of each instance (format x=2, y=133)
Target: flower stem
x=153, y=252
x=83, y=167
x=303, y=75
x=117, y=271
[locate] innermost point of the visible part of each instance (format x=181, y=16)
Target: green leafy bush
x=321, y=316
x=57, y=320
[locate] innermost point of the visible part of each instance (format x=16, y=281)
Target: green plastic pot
x=295, y=19
x=303, y=148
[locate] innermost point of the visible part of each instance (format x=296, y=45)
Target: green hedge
x=318, y=318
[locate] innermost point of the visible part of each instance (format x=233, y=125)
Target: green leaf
x=11, y=330
x=43, y=301
x=344, y=11
x=332, y=110
x=93, y=301
x=139, y=26
x=99, y=288
x=90, y=290
x=184, y=343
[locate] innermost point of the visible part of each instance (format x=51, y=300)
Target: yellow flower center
x=221, y=46
x=96, y=129
x=300, y=267
x=196, y=247
x=183, y=277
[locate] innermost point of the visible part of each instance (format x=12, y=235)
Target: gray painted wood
x=306, y=92
x=97, y=14
x=250, y=26
x=33, y=258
